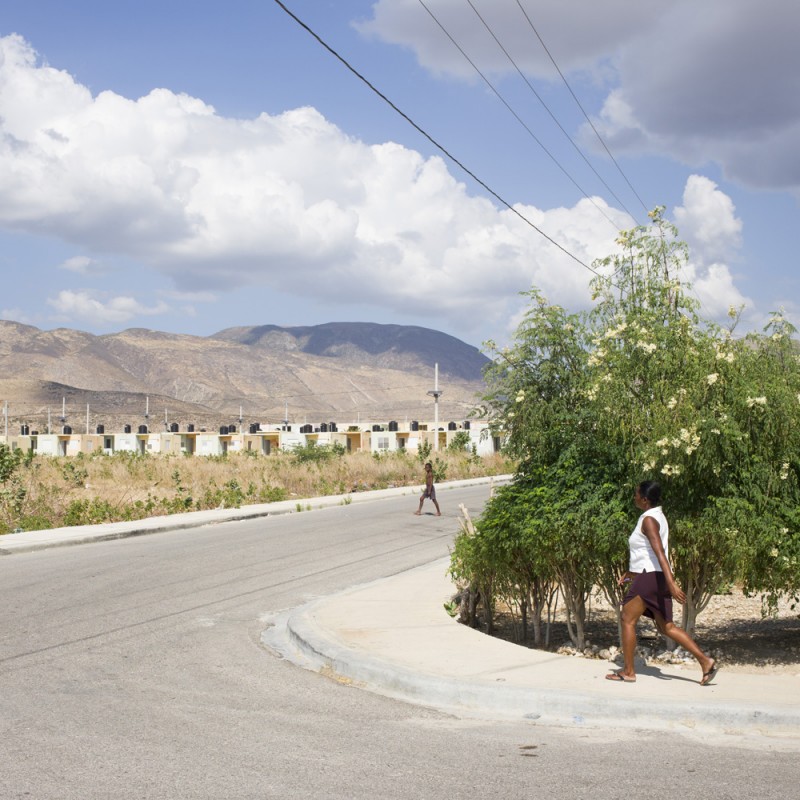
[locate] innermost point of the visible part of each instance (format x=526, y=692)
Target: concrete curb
x=296, y=636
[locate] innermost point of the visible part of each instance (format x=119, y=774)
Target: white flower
x=662, y=442
x=785, y=470
x=774, y=552
x=511, y=415
x=756, y=401
x=672, y=403
x=596, y=357
x=712, y=378
x=520, y=397
x=648, y=465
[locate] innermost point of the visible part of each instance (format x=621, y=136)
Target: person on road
x=651, y=586
x=429, y=492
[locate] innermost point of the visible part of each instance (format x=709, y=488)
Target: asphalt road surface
x=134, y=669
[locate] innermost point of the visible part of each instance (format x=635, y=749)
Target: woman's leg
x=685, y=641
x=631, y=612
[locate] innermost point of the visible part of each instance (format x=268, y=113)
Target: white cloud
x=707, y=222
x=289, y=201
x=81, y=265
x=90, y=307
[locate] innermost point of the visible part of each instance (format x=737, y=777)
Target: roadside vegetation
x=41, y=492
x=638, y=388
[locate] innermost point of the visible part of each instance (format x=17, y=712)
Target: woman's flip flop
x=617, y=676
x=710, y=675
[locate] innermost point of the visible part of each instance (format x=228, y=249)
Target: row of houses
x=258, y=439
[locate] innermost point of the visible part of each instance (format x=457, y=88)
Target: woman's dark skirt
x=652, y=588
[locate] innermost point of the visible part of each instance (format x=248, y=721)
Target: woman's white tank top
x=643, y=557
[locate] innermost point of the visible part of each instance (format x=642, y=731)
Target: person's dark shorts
x=429, y=494
x=652, y=588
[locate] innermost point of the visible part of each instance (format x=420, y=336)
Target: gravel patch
x=731, y=629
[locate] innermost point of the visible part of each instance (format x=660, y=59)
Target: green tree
x=641, y=388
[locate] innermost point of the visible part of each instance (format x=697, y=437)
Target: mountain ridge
x=325, y=372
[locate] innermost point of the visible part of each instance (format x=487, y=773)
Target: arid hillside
x=337, y=371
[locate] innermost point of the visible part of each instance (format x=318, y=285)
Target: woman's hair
x=651, y=491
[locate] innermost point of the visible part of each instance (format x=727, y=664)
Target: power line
x=583, y=111
x=433, y=141
x=516, y=116
x=547, y=108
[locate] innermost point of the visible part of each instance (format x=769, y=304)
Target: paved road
x=135, y=669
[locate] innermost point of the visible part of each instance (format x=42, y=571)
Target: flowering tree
x=642, y=388
x=713, y=417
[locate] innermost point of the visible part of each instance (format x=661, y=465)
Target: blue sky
x=189, y=167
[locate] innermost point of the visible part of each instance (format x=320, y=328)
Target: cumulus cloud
x=285, y=201
x=708, y=223
x=92, y=308
x=707, y=220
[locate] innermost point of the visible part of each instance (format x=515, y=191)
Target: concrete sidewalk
x=394, y=636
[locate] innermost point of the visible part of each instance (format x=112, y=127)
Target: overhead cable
x=514, y=113
x=433, y=141
x=583, y=111
x=549, y=111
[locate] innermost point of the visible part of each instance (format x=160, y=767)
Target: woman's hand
x=676, y=591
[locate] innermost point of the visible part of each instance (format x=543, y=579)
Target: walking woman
x=651, y=586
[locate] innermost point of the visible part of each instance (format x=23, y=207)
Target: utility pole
x=436, y=392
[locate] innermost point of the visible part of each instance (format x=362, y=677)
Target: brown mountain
x=336, y=371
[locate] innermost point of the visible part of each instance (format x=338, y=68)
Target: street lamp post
x=436, y=392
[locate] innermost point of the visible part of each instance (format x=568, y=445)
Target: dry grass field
x=43, y=492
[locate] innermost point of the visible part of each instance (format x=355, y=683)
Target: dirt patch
x=731, y=629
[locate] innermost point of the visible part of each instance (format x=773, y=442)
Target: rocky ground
x=731, y=628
